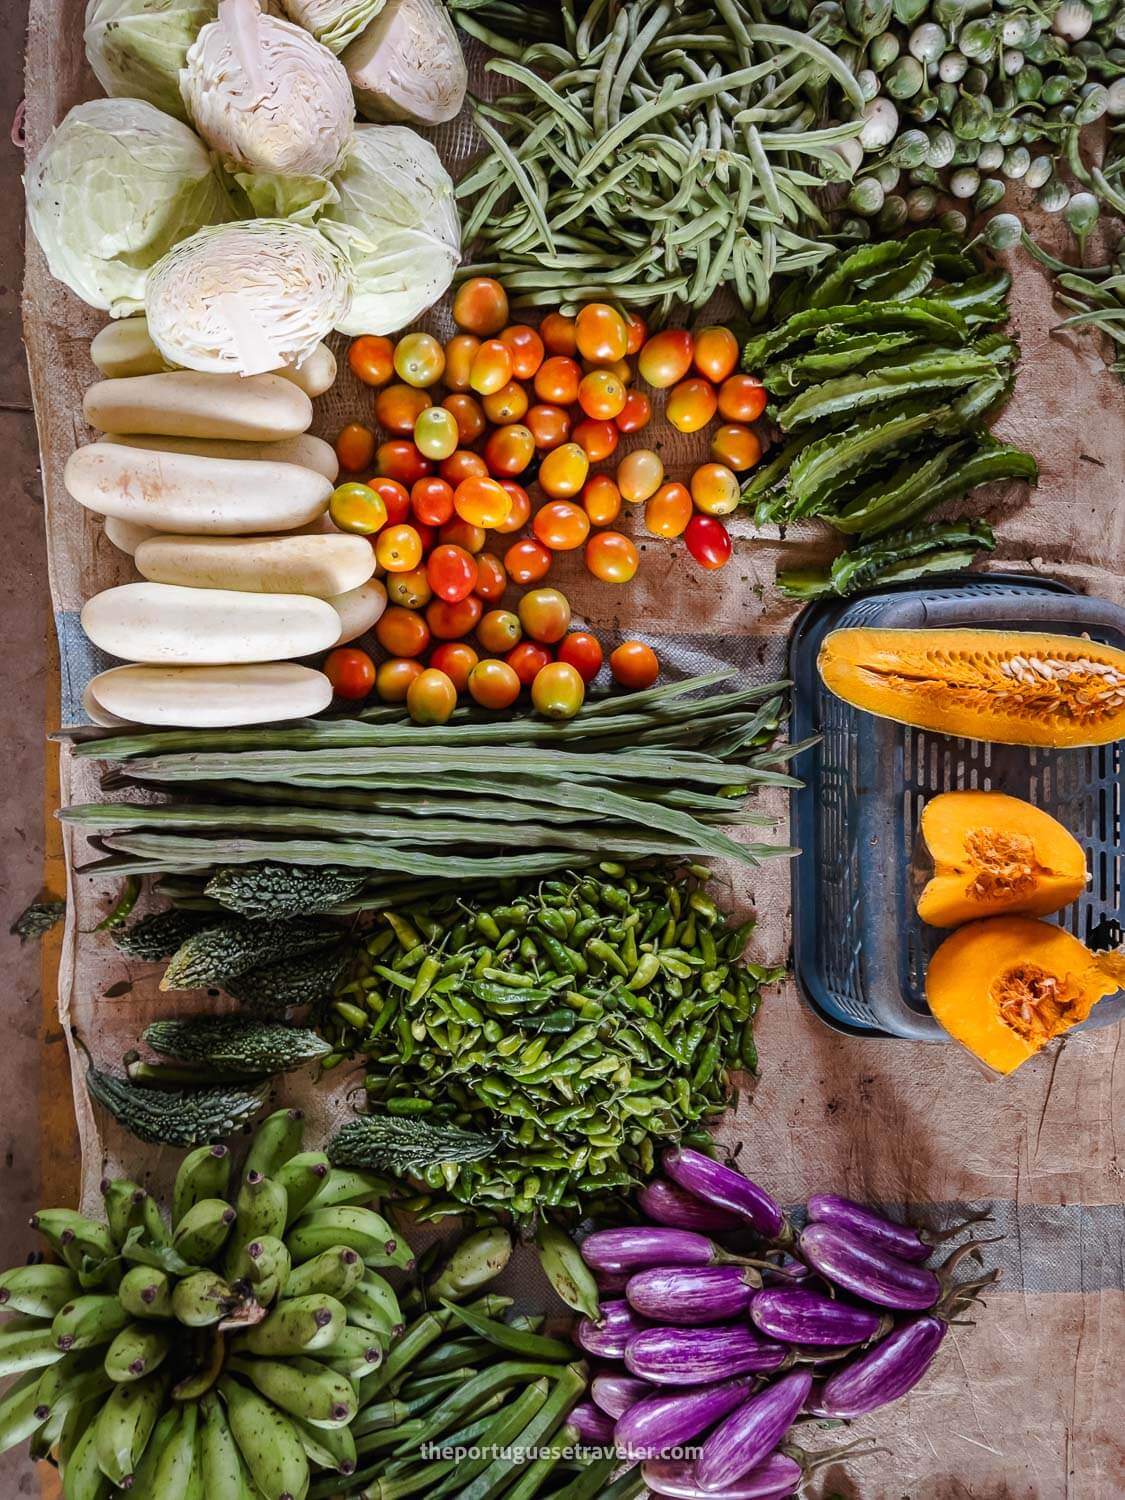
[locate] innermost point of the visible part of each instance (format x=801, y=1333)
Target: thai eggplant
x=693, y=1294
x=637, y=1249
x=615, y=1394
x=749, y=1435
x=884, y=1373
x=695, y=1356
x=867, y=1271
x=796, y=1315
x=608, y=1339
x=668, y=1203
x=662, y=1422
x=778, y=1477
x=723, y=1187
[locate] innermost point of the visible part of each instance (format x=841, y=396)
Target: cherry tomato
x=410, y=590
x=635, y=414
x=640, y=474
x=491, y=368
x=601, y=395
x=521, y=508
x=736, y=446
x=669, y=510
x=499, y=630
x=459, y=355
x=716, y=353
x=691, y=405
x=399, y=459
x=494, y=684
x=525, y=347
x=355, y=447
x=715, y=489
x=557, y=380
x=393, y=678
x=357, y=508
x=708, y=541
x=634, y=665
x=509, y=450
x=402, y=632
x=527, y=659
x=544, y=615
x=611, y=557
x=558, y=691
x=492, y=580
x=742, y=398
x=601, y=500
x=351, y=672
x=427, y=535
x=563, y=472
x=460, y=534
x=464, y=464
x=481, y=501
x=508, y=404
x=468, y=415
x=456, y=659
x=666, y=358
x=450, y=622
x=601, y=333
x=527, y=561
x=559, y=334
x=452, y=572
x=436, y=433
x=431, y=697
x=399, y=549
x=419, y=360
x=620, y=367
x=583, y=652
x=431, y=500
x=561, y=525
x=372, y=359
x=637, y=332
x=397, y=408
x=549, y=425
x=481, y=306
x=598, y=440
x=395, y=498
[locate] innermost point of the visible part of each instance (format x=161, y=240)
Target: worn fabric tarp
x=1027, y=1404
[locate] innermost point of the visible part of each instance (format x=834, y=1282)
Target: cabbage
x=114, y=187
x=333, y=22
x=246, y=298
x=137, y=47
x=396, y=222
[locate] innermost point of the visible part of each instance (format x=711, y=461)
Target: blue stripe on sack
x=79, y=660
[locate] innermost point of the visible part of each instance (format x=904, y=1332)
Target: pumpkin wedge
x=1011, y=687
x=1007, y=986
x=994, y=855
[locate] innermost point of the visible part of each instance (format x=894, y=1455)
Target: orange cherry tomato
x=559, y=334
x=351, y=672
x=634, y=665
x=452, y=572
x=611, y=557
x=691, y=405
x=563, y=472
x=399, y=550
x=431, y=500
x=558, y=691
x=742, y=398
x=481, y=306
x=499, y=630
x=669, y=510
x=397, y=408
x=481, y=501
x=561, y=525
x=371, y=359
x=736, y=446
x=637, y=332
x=358, y=508
x=492, y=580
x=450, y=622
x=460, y=534
x=715, y=490
x=462, y=465
x=544, y=615
x=402, y=632
x=550, y=426
x=666, y=358
x=459, y=355
x=494, y=684
x=521, y=508
x=601, y=333
x=508, y=404
x=708, y=541
x=601, y=395
x=411, y=590
x=601, y=500
x=640, y=474
x=527, y=561
x=400, y=459
x=620, y=367
x=635, y=414
x=393, y=678
x=527, y=659
x=419, y=360
x=468, y=415
x=525, y=347
x=355, y=447
x=598, y=440
x=557, y=380
x=509, y=450
x=431, y=697
x=491, y=368
x=436, y=433
x=395, y=498
x=716, y=353
x=456, y=659
x=583, y=652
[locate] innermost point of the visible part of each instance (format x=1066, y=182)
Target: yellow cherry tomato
x=634, y=665
x=372, y=359
x=715, y=490
x=640, y=474
x=611, y=557
x=431, y=697
x=561, y=525
x=436, y=433
x=419, y=360
x=508, y=404
x=480, y=501
x=409, y=590
x=459, y=354
x=399, y=549
x=669, y=510
x=499, y=630
x=601, y=333
x=468, y=414
x=544, y=614
x=563, y=471
x=736, y=446
x=558, y=690
x=491, y=369
x=666, y=358
x=494, y=684
x=691, y=405
x=357, y=508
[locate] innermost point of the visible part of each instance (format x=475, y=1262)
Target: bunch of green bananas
x=223, y=1358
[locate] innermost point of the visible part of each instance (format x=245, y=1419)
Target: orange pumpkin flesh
x=1007, y=986
x=1010, y=687
x=993, y=854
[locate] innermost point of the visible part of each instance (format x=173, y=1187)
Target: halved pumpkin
x=1006, y=986
x=1011, y=687
x=994, y=855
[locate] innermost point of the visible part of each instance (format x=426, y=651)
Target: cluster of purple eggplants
x=722, y=1353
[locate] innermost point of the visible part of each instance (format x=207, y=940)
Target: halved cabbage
x=137, y=47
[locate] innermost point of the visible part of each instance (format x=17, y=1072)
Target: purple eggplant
x=722, y=1187
x=692, y=1294
x=796, y=1315
x=607, y=1339
x=615, y=1394
x=696, y=1356
x=900, y=1239
x=667, y=1203
x=660, y=1423
x=884, y=1373
x=866, y=1271
x=612, y=1283
x=750, y=1434
x=777, y=1478
x=785, y=1273
x=637, y=1249
x=592, y=1425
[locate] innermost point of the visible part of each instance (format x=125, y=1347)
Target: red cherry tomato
x=491, y=369
x=427, y=535
x=708, y=541
x=691, y=405
x=431, y=697
x=736, y=446
x=669, y=510
x=598, y=440
x=459, y=355
x=527, y=660
x=450, y=622
x=494, y=684
x=482, y=501
x=460, y=534
x=558, y=691
x=355, y=447
x=637, y=332
x=456, y=659
x=371, y=359
x=481, y=306
x=611, y=557
x=461, y=465
x=401, y=460
x=399, y=550
x=509, y=450
x=452, y=572
x=601, y=333
x=521, y=508
x=395, y=498
x=527, y=561
x=563, y=472
x=544, y=615
x=742, y=398
x=393, y=678
x=402, y=632
x=550, y=426
x=601, y=395
x=357, y=508
x=557, y=380
x=397, y=408
x=508, y=404
x=351, y=672
x=525, y=347
x=634, y=665
x=431, y=500
x=559, y=334
x=583, y=652
x=561, y=525
x=492, y=580
x=635, y=414
x=499, y=630
x=716, y=353
x=601, y=500
x=666, y=358
x=468, y=415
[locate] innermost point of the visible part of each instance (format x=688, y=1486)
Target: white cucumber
x=191, y=403
x=359, y=609
x=306, y=451
x=127, y=536
x=316, y=374
x=321, y=565
x=96, y=713
x=124, y=348
x=212, y=697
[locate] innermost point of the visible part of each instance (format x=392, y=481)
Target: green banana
x=358, y=1229
x=82, y=1477
x=302, y=1176
x=46, y=1438
x=88, y=1321
x=268, y=1442
x=265, y=1263
x=38, y=1290
x=297, y=1326
x=71, y=1425
x=27, y=1344
x=125, y=1425
x=137, y=1350
x=372, y=1304
x=146, y=1293
x=203, y=1231
x=301, y=1388
x=333, y=1448
x=72, y=1382
x=73, y=1236
x=203, y=1173
x=343, y=1189
x=567, y=1272
x=473, y=1264
x=207, y=1369
x=277, y=1140
x=202, y=1299
x=354, y=1352
x=219, y=1459
x=143, y=1487
x=124, y=1204
x=173, y=1475
x=336, y=1271
x=20, y=1412
x=262, y=1207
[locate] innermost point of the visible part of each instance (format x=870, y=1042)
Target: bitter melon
x=158, y=935
x=175, y=1117
x=264, y=892
x=227, y=949
x=273, y=989
x=232, y=1045
x=404, y=1145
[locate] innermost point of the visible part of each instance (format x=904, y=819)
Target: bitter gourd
x=158, y=935
x=273, y=989
x=387, y=1143
x=224, y=950
x=233, y=1045
x=272, y=891
x=175, y=1117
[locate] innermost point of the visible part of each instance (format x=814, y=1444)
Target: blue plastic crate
x=860, y=951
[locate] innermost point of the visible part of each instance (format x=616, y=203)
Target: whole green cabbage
x=137, y=47
x=115, y=186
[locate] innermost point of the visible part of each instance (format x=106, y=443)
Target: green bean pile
x=653, y=154
x=580, y=1022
